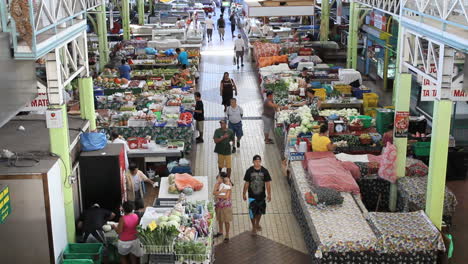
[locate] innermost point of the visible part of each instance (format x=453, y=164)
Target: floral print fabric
x=405, y=232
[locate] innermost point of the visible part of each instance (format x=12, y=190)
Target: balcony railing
x=39, y=26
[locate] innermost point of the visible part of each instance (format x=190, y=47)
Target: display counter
x=202, y=195
x=174, y=133
x=156, y=150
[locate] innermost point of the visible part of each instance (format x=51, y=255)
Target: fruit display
x=185, y=118
x=165, y=60
x=193, y=52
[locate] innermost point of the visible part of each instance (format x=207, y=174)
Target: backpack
x=221, y=23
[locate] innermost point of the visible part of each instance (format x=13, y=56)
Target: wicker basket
x=355, y=128
x=365, y=141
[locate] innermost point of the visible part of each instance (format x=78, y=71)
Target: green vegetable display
x=194, y=251
x=160, y=236
x=351, y=139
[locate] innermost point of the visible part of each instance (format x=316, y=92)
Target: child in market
x=223, y=204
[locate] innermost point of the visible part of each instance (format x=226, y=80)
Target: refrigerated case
x=35, y=231
x=102, y=177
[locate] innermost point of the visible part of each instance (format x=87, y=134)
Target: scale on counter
x=339, y=126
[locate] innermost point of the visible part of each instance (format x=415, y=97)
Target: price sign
x=152, y=225
x=296, y=156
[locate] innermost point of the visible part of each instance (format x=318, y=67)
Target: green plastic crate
x=366, y=120
x=422, y=149
x=384, y=119
x=84, y=251
x=77, y=261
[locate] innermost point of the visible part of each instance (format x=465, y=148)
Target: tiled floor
x=278, y=224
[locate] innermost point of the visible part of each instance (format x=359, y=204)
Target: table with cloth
x=348, y=233
x=412, y=197
x=173, y=133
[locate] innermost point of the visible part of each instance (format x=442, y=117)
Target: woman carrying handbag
x=227, y=90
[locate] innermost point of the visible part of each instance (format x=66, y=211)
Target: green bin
x=77, y=261
x=384, y=118
x=84, y=251
x=422, y=149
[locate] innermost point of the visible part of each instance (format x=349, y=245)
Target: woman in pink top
x=128, y=245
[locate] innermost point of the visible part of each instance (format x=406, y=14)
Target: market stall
x=179, y=226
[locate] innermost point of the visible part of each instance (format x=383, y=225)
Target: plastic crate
x=90, y=251
x=370, y=100
x=77, y=261
x=162, y=259
x=366, y=120
x=422, y=149
x=371, y=111
x=358, y=93
x=321, y=93
x=5, y=207
x=343, y=89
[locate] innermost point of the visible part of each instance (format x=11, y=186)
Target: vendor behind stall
x=182, y=57
x=312, y=101
x=91, y=223
x=305, y=75
x=125, y=70
x=135, y=180
x=321, y=141
x=176, y=80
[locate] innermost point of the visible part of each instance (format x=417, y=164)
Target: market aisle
x=279, y=223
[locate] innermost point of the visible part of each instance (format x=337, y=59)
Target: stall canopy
x=258, y=8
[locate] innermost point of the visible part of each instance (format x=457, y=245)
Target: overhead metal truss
x=39, y=26
x=443, y=20
x=430, y=59
x=64, y=64
x=390, y=7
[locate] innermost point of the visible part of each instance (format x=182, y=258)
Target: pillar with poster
x=401, y=124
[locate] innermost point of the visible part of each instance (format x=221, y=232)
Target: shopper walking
x=239, y=49
x=223, y=204
x=209, y=28
x=234, y=114
x=227, y=90
x=221, y=26
x=135, y=178
x=257, y=182
x=128, y=244
x=233, y=21
x=199, y=116
x=222, y=138
x=268, y=116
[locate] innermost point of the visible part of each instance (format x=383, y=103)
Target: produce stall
x=179, y=229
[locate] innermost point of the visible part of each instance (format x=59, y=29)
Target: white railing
x=448, y=12
x=391, y=7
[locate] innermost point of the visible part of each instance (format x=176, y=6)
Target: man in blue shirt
x=125, y=70
x=182, y=57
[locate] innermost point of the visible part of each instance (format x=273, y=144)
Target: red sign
x=401, y=124
x=40, y=103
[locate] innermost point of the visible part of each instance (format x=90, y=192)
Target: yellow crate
x=389, y=107
x=371, y=111
x=343, y=89
x=370, y=100
x=321, y=93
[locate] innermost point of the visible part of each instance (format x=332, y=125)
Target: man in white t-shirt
x=239, y=50
x=209, y=28
x=180, y=23
x=234, y=114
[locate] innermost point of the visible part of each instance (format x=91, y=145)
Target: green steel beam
x=60, y=145
x=141, y=12
x=352, y=24
x=103, y=46
x=399, y=43
x=438, y=161
x=85, y=86
x=325, y=20
x=402, y=103
x=126, y=19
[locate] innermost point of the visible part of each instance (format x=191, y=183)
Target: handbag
x=93, y=141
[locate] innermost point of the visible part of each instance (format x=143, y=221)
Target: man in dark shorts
x=257, y=181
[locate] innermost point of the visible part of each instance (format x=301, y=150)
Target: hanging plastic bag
x=93, y=141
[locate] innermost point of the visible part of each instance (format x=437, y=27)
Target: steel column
x=325, y=20
x=103, y=46
x=141, y=12
x=353, y=36
x=125, y=19
x=402, y=103
x=87, y=109
x=60, y=145
x=438, y=161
